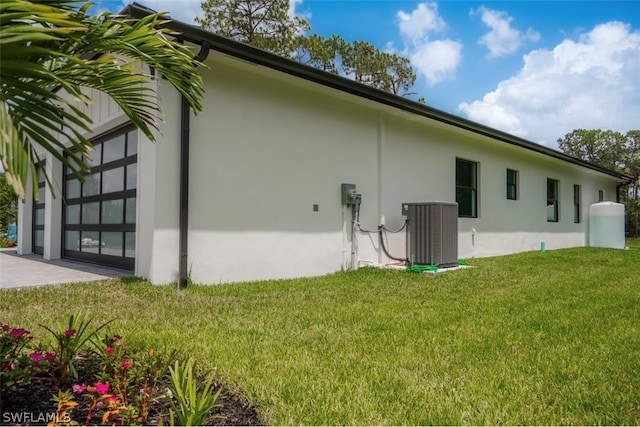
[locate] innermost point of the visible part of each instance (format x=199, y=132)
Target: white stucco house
x=251, y=188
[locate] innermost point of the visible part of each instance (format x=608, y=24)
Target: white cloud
x=293, y=10
x=422, y=19
x=436, y=60
x=503, y=39
x=591, y=83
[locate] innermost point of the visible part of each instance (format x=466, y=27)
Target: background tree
x=8, y=205
x=319, y=52
x=56, y=44
x=265, y=24
x=603, y=147
x=384, y=71
x=614, y=151
x=632, y=168
x=399, y=76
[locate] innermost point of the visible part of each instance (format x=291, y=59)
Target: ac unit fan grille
x=432, y=233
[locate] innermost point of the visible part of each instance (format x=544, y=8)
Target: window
x=38, y=211
x=512, y=184
x=552, y=200
x=467, y=188
x=100, y=213
x=576, y=203
x=601, y=195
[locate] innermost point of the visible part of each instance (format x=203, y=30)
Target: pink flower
x=50, y=357
x=79, y=388
x=19, y=332
x=99, y=404
x=70, y=333
x=101, y=388
x=125, y=365
x=6, y=328
x=117, y=337
x=36, y=357
x=112, y=400
x=108, y=350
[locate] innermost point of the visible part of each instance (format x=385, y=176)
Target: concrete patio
x=23, y=271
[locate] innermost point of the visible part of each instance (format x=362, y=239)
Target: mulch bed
x=31, y=404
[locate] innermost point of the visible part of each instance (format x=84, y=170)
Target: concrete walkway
x=22, y=271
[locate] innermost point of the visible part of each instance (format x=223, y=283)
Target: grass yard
x=532, y=338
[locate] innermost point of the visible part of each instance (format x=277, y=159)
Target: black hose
x=395, y=231
x=384, y=248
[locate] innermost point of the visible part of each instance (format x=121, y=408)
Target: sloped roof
x=196, y=35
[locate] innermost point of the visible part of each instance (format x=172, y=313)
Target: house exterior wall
x=159, y=193
x=269, y=153
x=267, y=148
x=25, y=221
x=503, y=226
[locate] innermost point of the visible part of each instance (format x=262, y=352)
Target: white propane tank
x=606, y=225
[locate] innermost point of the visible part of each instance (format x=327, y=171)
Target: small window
x=576, y=203
x=552, y=200
x=601, y=195
x=467, y=188
x=512, y=184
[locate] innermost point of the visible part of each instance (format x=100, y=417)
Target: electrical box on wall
x=347, y=193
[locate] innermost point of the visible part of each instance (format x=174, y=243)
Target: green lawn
x=532, y=338
x=633, y=244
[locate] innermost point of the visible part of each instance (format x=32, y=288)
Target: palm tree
x=50, y=50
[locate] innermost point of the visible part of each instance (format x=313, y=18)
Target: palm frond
x=50, y=50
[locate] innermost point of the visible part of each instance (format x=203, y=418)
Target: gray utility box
x=432, y=233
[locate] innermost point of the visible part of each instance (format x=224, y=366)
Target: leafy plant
x=6, y=242
x=68, y=342
x=190, y=406
x=13, y=361
x=60, y=43
x=65, y=404
x=97, y=395
x=121, y=381
x=134, y=375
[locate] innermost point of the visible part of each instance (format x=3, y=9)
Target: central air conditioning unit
x=432, y=233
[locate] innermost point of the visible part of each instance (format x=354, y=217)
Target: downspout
x=618, y=187
x=185, y=130
x=618, y=198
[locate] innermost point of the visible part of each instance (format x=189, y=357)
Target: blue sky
x=536, y=69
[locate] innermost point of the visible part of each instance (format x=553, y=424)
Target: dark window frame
x=553, y=191
x=37, y=205
x=467, y=192
x=577, y=204
x=512, y=187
